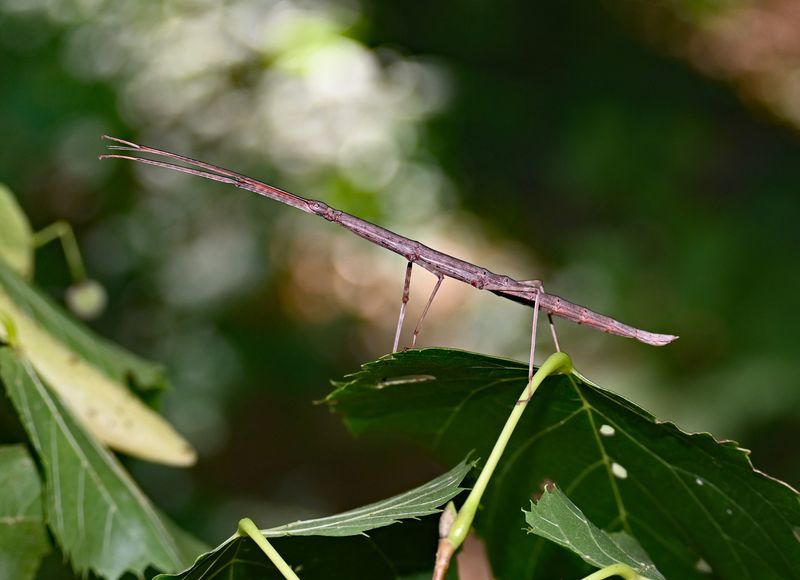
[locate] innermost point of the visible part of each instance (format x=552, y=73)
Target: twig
x=436, y=262
x=248, y=529
x=556, y=363
x=62, y=231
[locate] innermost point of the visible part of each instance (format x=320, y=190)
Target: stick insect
x=441, y=265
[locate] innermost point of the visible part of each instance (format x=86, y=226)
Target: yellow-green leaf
x=16, y=245
x=89, y=374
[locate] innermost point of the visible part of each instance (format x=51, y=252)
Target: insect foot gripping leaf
x=89, y=374
x=693, y=503
x=101, y=520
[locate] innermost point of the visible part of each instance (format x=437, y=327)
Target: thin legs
x=536, y=285
x=539, y=289
x=533, y=332
x=553, y=330
x=404, y=304
x=424, y=312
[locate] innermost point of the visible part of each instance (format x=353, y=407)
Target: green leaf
x=101, y=520
x=693, y=503
x=346, y=550
x=90, y=375
x=16, y=237
x=420, y=501
x=23, y=536
x=557, y=519
x=399, y=552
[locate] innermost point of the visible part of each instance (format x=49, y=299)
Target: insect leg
x=552, y=324
x=533, y=342
x=424, y=312
x=538, y=284
x=553, y=332
x=403, y=304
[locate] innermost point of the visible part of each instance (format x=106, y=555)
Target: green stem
x=248, y=528
x=622, y=570
x=557, y=362
x=62, y=231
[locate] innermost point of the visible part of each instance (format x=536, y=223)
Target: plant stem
x=622, y=570
x=556, y=363
x=62, y=231
x=248, y=528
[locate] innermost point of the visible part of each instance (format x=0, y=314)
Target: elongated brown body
x=434, y=261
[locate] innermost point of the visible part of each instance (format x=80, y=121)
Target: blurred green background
x=641, y=158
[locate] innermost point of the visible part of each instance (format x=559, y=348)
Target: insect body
x=436, y=262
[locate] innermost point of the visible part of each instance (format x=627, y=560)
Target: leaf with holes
x=346, y=549
x=557, y=519
x=100, y=519
x=695, y=505
x=23, y=535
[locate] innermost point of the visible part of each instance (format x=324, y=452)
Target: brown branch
x=436, y=262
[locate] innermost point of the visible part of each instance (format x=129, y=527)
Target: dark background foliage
x=607, y=148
